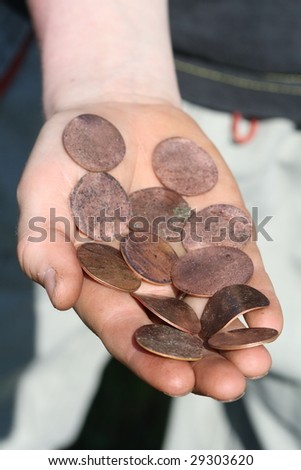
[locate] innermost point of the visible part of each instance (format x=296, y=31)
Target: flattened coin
x=151, y=257
x=242, y=338
x=100, y=206
x=167, y=341
x=104, y=264
x=159, y=210
x=181, y=165
x=204, y=271
x=216, y=225
x=227, y=304
x=174, y=311
x=93, y=142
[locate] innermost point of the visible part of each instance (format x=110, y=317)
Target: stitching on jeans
x=239, y=82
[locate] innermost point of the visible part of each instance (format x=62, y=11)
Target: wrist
x=104, y=51
x=88, y=92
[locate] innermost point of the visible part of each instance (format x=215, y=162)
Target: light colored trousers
x=52, y=398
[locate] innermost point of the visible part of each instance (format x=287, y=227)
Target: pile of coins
x=149, y=221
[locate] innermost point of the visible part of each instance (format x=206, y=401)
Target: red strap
x=239, y=138
x=14, y=66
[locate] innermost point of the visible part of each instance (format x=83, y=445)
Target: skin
x=145, y=107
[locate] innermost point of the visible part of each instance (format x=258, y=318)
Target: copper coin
x=242, y=338
x=159, y=210
x=169, y=342
x=93, y=142
x=104, y=264
x=174, y=311
x=204, y=271
x=219, y=224
x=100, y=206
x=227, y=304
x=149, y=256
x=181, y=165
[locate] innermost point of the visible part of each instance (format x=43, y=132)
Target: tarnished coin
x=174, y=311
x=227, y=304
x=216, y=225
x=151, y=257
x=93, y=142
x=204, y=271
x=104, y=264
x=159, y=210
x=166, y=341
x=181, y=165
x=242, y=338
x=100, y=206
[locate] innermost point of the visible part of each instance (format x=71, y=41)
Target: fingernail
x=176, y=396
x=257, y=377
x=232, y=399
x=49, y=282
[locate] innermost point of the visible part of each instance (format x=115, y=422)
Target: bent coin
x=104, y=264
x=181, y=165
x=204, y=271
x=227, y=304
x=166, y=341
x=242, y=338
x=93, y=142
x=173, y=311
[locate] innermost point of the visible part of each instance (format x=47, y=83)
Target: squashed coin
x=100, y=207
x=181, y=165
x=173, y=311
x=93, y=142
x=159, y=210
x=149, y=256
x=227, y=304
x=242, y=338
x=104, y=264
x=216, y=225
x=167, y=341
x=204, y=271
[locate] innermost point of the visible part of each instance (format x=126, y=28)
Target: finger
x=254, y=362
x=54, y=265
x=218, y=378
x=270, y=316
x=114, y=317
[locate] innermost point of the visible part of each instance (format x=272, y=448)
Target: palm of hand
x=114, y=316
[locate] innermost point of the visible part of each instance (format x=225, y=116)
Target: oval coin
x=217, y=225
x=204, y=271
x=159, y=210
x=149, y=256
x=181, y=165
x=105, y=264
x=93, y=142
x=166, y=341
x=100, y=206
x=242, y=338
x=173, y=311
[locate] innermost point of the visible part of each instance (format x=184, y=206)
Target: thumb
x=48, y=257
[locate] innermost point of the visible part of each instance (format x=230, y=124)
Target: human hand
x=47, y=182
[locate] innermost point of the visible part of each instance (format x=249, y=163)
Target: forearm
x=101, y=50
